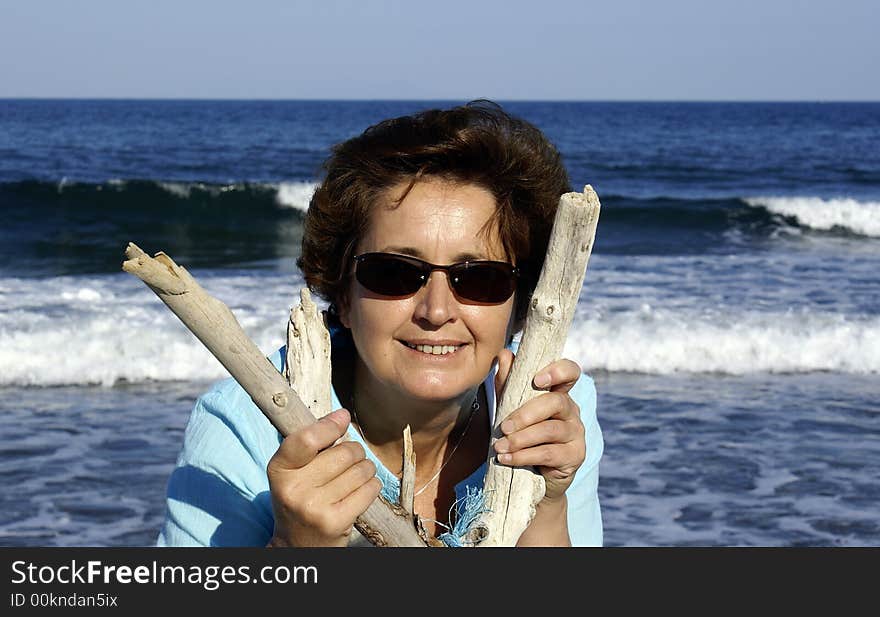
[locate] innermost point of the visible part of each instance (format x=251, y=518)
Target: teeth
x=437, y=350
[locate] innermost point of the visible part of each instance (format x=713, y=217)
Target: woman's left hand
x=546, y=432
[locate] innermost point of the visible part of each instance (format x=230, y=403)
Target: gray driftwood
x=307, y=362
x=408, y=476
x=383, y=524
x=512, y=493
x=308, y=371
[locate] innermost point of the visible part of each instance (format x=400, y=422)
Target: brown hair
x=477, y=143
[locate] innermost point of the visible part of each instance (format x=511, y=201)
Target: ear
x=514, y=324
x=505, y=362
x=343, y=312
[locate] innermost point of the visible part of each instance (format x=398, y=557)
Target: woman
x=426, y=237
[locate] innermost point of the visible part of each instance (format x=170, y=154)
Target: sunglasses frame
x=426, y=268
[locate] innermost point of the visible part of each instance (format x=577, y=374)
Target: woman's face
x=442, y=223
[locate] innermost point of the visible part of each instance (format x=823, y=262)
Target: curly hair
x=477, y=143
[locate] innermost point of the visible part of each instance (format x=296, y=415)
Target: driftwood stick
x=212, y=322
x=307, y=366
x=307, y=363
x=512, y=493
x=408, y=477
x=309, y=372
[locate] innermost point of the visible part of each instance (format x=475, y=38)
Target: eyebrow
x=415, y=252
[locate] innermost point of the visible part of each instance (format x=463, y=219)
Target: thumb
x=340, y=419
x=301, y=447
x=505, y=362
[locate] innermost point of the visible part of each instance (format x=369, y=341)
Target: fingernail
x=504, y=458
x=507, y=427
x=501, y=445
x=542, y=380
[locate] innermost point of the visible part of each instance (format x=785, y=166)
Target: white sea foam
x=662, y=341
x=81, y=295
x=178, y=189
x=295, y=195
x=861, y=217
x=105, y=329
x=183, y=190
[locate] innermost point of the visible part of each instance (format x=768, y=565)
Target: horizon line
x=421, y=100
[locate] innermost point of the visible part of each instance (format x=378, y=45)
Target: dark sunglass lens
x=483, y=283
x=388, y=275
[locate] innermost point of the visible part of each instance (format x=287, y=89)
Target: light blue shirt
x=218, y=494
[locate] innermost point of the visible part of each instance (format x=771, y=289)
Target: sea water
x=730, y=314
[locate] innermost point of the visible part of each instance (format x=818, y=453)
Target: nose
x=435, y=302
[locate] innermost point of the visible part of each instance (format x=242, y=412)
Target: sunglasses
x=389, y=274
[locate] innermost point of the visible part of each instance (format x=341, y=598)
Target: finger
x=547, y=432
x=334, y=461
x=300, y=447
x=505, y=362
x=543, y=407
x=561, y=457
x=342, y=485
x=357, y=502
x=558, y=376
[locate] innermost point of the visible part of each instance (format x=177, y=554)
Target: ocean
x=730, y=314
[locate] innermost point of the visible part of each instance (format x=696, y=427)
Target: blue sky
x=442, y=49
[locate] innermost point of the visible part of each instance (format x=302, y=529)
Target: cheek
x=494, y=324
x=372, y=316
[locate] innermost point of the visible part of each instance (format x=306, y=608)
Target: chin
x=440, y=387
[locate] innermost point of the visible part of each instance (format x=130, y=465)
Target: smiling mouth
x=434, y=350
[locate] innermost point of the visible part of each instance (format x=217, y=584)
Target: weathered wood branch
x=308, y=371
x=383, y=524
x=307, y=366
x=408, y=476
x=307, y=362
x=512, y=493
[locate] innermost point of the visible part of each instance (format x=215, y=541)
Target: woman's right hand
x=318, y=488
